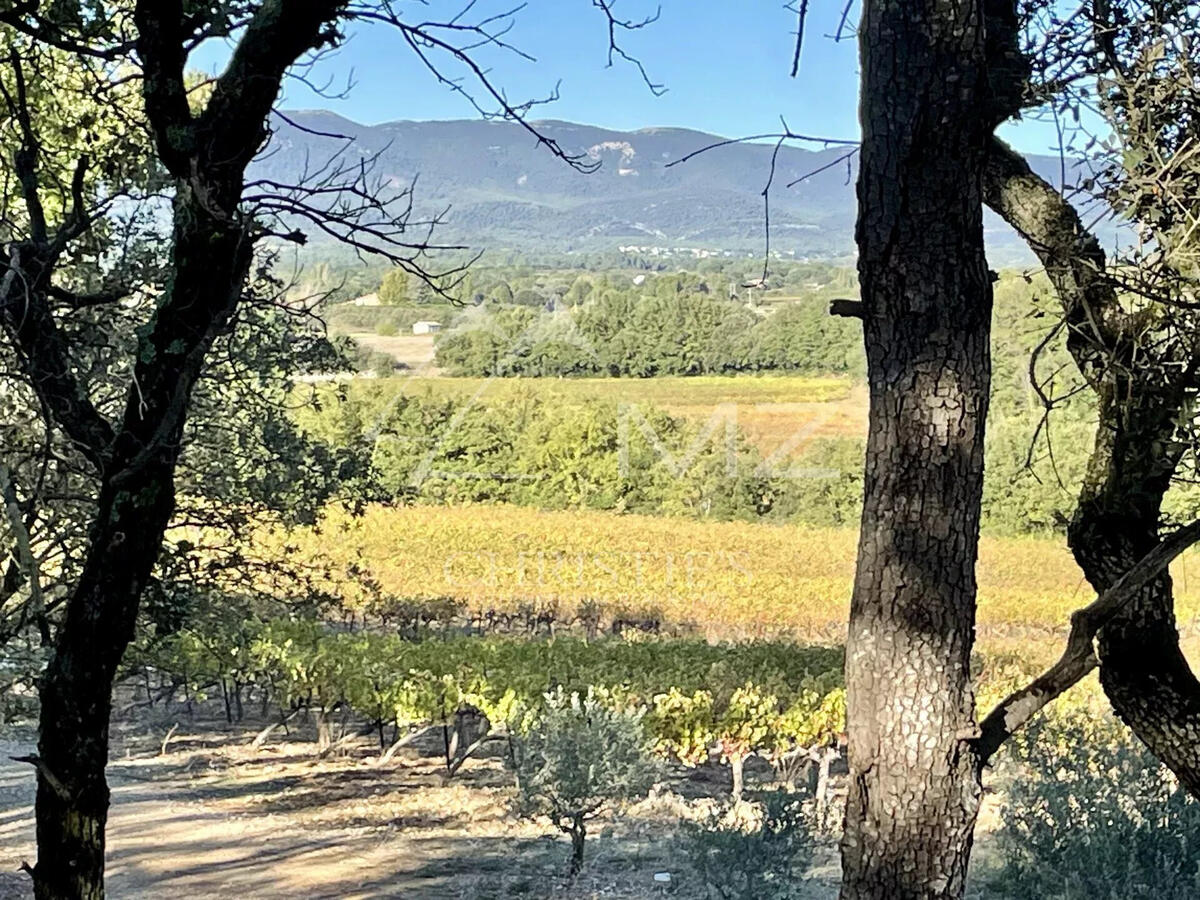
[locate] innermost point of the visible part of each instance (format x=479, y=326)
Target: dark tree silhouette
x=203, y=141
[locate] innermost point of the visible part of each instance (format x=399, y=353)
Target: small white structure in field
x=367, y=300
x=426, y=327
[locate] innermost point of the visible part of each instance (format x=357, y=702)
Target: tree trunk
x=926, y=293
x=211, y=258
x=1135, y=455
x=72, y=794
x=578, y=835
x=324, y=732
x=1142, y=668
x=76, y=692
x=737, y=772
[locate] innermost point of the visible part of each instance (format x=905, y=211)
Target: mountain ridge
x=501, y=190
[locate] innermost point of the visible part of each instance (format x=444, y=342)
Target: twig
x=162, y=750
x=802, y=13
x=838, y=35
x=844, y=158
x=786, y=135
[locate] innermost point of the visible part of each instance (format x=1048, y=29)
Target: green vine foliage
x=736, y=700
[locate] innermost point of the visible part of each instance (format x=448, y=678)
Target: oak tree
x=128, y=434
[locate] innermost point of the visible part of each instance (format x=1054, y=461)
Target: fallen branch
x=272, y=728
x=453, y=767
x=1079, y=656
x=162, y=750
x=403, y=742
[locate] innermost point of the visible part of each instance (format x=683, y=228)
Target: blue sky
x=725, y=66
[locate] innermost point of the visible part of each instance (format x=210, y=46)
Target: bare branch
x=846, y=158
x=802, y=14
x=842, y=28
x=786, y=135
x=780, y=138
x=1079, y=657
x=614, y=46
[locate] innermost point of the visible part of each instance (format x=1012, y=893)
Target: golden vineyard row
x=729, y=579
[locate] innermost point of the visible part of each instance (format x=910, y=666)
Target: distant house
x=426, y=327
x=367, y=300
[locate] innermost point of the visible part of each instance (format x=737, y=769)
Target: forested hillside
x=503, y=193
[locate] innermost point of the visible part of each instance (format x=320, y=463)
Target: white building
x=426, y=327
x=367, y=300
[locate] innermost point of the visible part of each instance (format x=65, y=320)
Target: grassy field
x=770, y=410
x=702, y=391
x=412, y=350
x=724, y=579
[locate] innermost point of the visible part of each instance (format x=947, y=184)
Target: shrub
x=387, y=329
x=365, y=360
x=1091, y=813
x=581, y=756
x=755, y=851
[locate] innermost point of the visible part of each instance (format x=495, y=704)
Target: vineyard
x=778, y=701
x=525, y=508
x=720, y=580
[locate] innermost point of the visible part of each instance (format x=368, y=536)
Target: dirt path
x=213, y=819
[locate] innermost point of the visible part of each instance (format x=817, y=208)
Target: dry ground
x=413, y=351
x=212, y=818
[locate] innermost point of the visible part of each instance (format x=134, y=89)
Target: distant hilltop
x=505, y=191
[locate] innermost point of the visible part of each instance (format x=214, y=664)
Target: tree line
x=638, y=335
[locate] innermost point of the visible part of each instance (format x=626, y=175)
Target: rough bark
x=1142, y=668
x=926, y=293
x=1141, y=400
x=137, y=500
x=135, y=456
